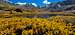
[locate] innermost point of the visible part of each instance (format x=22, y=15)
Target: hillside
x=30, y=20
x=65, y=6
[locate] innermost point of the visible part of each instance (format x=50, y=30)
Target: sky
x=33, y=2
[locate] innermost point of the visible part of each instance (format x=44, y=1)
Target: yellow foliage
x=36, y=26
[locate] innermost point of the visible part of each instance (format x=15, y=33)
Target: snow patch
x=21, y=3
x=46, y=2
x=34, y=4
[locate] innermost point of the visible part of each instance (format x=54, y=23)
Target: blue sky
x=37, y=2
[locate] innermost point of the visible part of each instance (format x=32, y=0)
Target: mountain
x=26, y=6
x=67, y=5
x=60, y=6
x=5, y=5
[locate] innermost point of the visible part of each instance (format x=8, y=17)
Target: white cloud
x=20, y=3
x=34, y=4
x=46, y=2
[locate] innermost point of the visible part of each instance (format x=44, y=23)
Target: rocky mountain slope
x=64, y=6
x=67, y=5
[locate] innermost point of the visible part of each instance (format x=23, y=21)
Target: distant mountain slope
x=60, y=6
x=67, y=5
x=5, y=5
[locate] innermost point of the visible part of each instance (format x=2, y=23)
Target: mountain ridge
x=53, y=7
